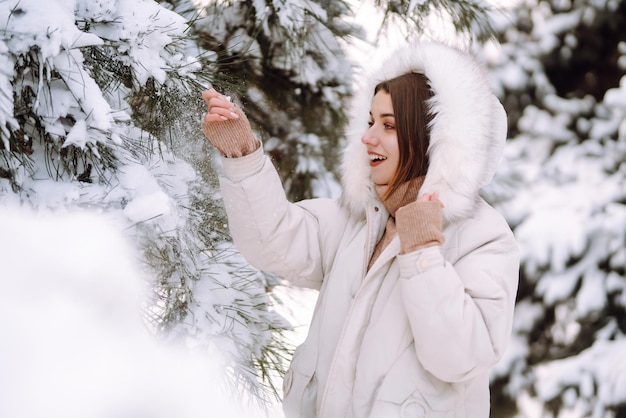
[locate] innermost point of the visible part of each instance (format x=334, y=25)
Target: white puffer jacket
x=416, y=335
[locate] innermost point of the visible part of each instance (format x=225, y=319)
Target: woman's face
x=381, y=139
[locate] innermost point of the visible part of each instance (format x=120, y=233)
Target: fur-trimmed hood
x=467, y=133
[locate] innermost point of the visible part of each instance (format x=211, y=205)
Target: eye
x=389, y=126
x=370, y=123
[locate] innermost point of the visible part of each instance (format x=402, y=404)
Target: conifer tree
x=99, y=101
x=561, y=73
x=283, y=62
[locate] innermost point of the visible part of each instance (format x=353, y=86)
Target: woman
x=417, y=274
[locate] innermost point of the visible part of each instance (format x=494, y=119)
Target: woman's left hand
x=431, y=197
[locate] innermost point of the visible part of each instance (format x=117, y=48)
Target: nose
x=369, y=137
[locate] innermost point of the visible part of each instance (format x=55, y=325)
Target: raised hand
x=227, y=127
x=220, y=108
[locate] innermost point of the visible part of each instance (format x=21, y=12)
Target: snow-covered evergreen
x=561, y=72
x=95, y=94
x=284, y=62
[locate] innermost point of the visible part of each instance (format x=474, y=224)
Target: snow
x=592, y=294
x=75, y=345
x=6, y=95
x=51, y=27
x=542, y=123
x=602, y=365
x=77, y=135
x=144, y=20
x=83, y=89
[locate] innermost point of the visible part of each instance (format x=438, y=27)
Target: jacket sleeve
x=271, y=233
x=461, y=314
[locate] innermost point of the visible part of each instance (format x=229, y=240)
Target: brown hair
x=409, y=95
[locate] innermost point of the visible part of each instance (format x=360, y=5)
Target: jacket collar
x=467, y=134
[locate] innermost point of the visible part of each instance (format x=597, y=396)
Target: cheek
x=394, y=156
x=392, y=147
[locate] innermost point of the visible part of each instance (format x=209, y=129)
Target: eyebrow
x=385, y=115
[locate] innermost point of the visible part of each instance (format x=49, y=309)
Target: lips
x=376, y=159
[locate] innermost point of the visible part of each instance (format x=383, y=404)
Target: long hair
x=409, y=97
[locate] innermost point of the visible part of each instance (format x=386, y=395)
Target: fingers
x=426, y=197
x=220, y=108
x=431, y=197
x=209, y=94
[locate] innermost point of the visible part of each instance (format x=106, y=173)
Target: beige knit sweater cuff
x=419, y=226
x=233, y=138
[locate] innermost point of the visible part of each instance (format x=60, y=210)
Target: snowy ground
x=73, y=344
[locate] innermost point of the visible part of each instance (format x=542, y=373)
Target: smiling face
x=381, y=140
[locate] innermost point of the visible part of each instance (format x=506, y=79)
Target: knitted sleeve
x=233, y=138
x=419, y=226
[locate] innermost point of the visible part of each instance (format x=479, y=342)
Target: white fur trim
x=467, y=134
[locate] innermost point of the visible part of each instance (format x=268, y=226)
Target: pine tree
x=99, y=110
x=283, y=62
x=561, y=73
x=469, y=20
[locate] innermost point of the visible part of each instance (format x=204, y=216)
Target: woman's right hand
x=220, y=108
x=227, y=127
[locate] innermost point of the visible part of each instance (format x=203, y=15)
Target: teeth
x=375, y=157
